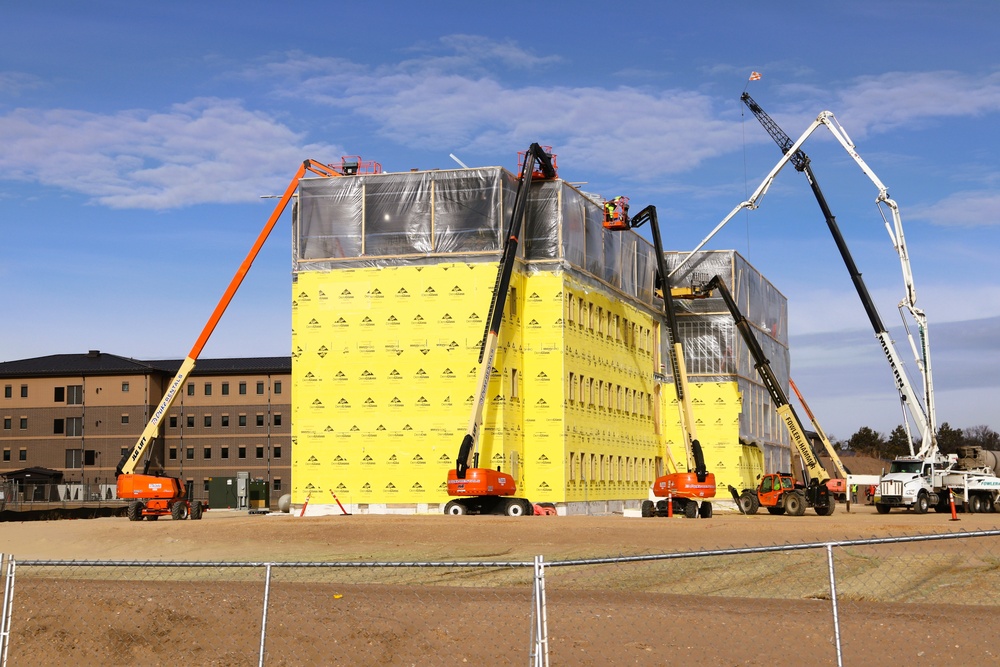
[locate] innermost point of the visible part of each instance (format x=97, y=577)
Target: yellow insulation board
x=384, y=370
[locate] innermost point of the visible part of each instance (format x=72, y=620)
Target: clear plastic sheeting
x=428, y=216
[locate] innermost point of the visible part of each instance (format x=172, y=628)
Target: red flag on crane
x=755, y=76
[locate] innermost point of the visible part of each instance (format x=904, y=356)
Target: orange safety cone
x=670, y=505
x=951, y=501
x=305, y=505
x=346, y=513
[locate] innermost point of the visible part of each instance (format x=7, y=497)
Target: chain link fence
x=921, y=599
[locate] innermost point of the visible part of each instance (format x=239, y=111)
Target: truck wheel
x=748, y=503
x=691, y=510
x=705, y=511
x=646, y=508
x=826, y=511
x=794, y=505
x=975, y=504
x=135, y=511
x=178, y=511
x=455, y=508
x=196, y=510
x=922, y=504
x=882, y=508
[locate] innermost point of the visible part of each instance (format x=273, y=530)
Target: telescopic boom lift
x=688, y=491
x=484, y=490
x=153, y=495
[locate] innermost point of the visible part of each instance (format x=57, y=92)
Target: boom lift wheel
x=178, y=511
x=455, y=508
x=705, y=511
x=691, y=510
x=135, y=511
x=196, y=510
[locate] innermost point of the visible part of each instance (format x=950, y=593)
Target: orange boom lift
x=153, y=495
x=484, y=490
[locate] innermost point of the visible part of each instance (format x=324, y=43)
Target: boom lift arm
x=129, y=462
x=468, y=479
x=842, y=470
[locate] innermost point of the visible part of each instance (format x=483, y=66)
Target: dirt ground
x=323, y=619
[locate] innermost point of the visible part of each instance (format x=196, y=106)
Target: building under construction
x=393, y=280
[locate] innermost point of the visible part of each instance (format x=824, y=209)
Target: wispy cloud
x=205, y=150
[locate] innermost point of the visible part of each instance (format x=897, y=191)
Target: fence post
x=833, y=599
x=540, y=623
x=8, y=605
x=263, y=620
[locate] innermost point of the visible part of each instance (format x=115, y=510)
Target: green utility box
x=259, y=495
x=222, y=493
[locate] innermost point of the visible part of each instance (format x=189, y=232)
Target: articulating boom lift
x=686, y=490
x=484, y=490
x=154, y=495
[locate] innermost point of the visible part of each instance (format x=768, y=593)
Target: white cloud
x=205, y=150
x=962, y=209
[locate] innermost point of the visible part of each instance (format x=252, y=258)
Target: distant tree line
x=868, y=442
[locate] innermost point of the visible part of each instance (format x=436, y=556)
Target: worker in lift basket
x=613, y=209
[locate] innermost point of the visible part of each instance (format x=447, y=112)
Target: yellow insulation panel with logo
x=384, y=369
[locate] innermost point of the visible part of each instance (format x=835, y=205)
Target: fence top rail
x=274, y=564
x=513, y=564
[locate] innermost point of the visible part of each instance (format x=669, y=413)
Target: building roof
x=96, y=362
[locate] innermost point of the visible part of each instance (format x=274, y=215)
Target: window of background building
x=124, y=387
x=6, y=455
x=260, y=419
x=6, y=423
x=260, y=387
x=74, y=458
x=190, y=421
x=276, y=451
x=208, y=388
x=225, y=389
x=59, y=395
x=225, y=420
x=90, y=457
x=74, y=394
x=242, y=452
x=205, y=484
x=260, y=451
x=8, y=391
x=24, y=391
x=277, y=419
x=125, y=451
x=224, y=453
x=58, y=426
x=173, y=421
x=207, y=454
x=190, y=389
x=190, y=454
x=243, y=388
x=277, y=484
x=24, y=423
x=243, y=420
x=208, y=421
x=277, y=387
x=124, y=419
x=172, y=454
x=22, y=455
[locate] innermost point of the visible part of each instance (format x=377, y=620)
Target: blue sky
x=137, y=139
